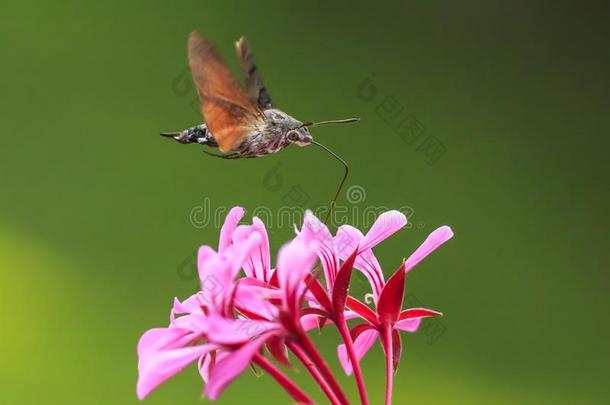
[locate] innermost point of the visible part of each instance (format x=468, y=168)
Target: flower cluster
x=248, y=312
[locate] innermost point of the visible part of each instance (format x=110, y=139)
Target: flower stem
x=289, y=386
x=349, y=346
x=389, y=365
x=300, y=354
x=307, y=345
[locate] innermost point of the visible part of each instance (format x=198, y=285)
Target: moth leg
x=218, y=155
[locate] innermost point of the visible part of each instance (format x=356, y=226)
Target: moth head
x=299, y=136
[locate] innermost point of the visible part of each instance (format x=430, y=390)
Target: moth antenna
x=343, y=121
x=334, y=201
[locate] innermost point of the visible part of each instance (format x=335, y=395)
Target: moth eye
x=292, y=136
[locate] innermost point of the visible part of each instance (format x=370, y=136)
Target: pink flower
x=388, y=318
x=208, y=326
x=245, y=304
x=163, y=352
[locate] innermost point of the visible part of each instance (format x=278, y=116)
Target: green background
x=95, y=235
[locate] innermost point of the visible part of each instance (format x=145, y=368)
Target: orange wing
x=228, y=112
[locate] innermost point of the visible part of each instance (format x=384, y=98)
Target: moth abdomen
x=199, y=134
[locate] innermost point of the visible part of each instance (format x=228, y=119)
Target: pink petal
x=207, y=362
x=255, y=299
x=314, y=230
x=258, y=263
x=362, y=344
x=237, y=331
x=215, y=275
x=295, y=261
x=231, y=221
x=408, y=325
x=204, y=364
x=386, y=225
x=204, y=254
x=196, y=324
x=191, y=305
x=160, y=339
x=243, y=251
x=311, y=322
x=349, y=237
x=219, y=271
x=433, y=241
x=231, y=366
x=160, y=358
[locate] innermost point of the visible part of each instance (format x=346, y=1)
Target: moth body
x=198, y=134
x=276, y=132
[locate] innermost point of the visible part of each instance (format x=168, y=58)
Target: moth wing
x=228, y=112
x=254, y=83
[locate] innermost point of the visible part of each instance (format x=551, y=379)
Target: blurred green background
x=96, y=222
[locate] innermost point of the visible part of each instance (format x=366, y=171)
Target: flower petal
x=433, y=241
x=258, y=263
x=295, y=261
x=196, y=324
x=391, y=298
x=225, y=331
x=243, y=251
x=159, y=339
x=158, y=360
x=396, y=349
x=277, y=348
x=363, y=342
x=231, y=221
x=314, y=230
x=386, y=225
x=231, y=366
x=408, y=325
x=204, y=254
x=204, y=365
x=191, y=305
x=318, y=293
x=215, y=278
x=254, y=299
x=219, y=270
x=349, y=237
x=341, y=288
x=412, y=313
x=313, y=321
x=347, y=240
x=410, y=319
x=361, y=310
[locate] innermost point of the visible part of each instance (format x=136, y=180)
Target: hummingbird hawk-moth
x=241, y=123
